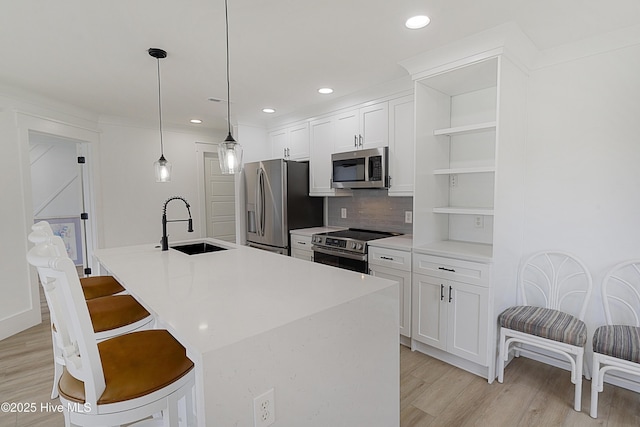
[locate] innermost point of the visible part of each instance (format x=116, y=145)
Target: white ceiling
x=93, y=53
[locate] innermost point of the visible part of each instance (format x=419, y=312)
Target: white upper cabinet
x=401, y=146
x=362, y=128
x=291, y=143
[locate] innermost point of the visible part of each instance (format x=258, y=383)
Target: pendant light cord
x=160, y=109
x=226, y=23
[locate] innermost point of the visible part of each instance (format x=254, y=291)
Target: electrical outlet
x=479, y=221
x=343, y=212
x=408, y=217
x=264, y=409
x=453, y=181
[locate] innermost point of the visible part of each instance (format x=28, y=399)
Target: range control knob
x=353, y=245
x=359, y=245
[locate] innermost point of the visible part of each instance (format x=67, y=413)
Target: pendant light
x=229, y=151
x=162, y=166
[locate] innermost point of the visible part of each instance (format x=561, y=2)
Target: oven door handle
x=356, y=257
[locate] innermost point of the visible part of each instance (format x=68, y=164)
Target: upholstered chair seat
x=545, y=323
x=619, y=341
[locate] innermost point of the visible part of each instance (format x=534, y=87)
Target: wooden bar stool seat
x=115, y=311
x=134, y=365
x=100, y=286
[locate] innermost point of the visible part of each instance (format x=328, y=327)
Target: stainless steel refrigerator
x=277, y=201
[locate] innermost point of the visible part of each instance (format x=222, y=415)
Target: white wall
x=132, y=201
x=582, y=162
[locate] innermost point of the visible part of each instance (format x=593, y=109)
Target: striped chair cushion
x=619, y=341
x=546, y=323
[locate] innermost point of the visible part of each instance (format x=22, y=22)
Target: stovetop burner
x=359, y=234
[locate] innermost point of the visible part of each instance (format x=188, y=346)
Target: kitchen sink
x=198, y=248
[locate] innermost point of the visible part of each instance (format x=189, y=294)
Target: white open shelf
x=460, y=130
x=463, y=211
x=484, y=169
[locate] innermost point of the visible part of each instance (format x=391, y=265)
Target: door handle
x=360, y=140
x=386, y=257
x=447, y=269
x=441, y=292
x=450, y=289
x=355, y=141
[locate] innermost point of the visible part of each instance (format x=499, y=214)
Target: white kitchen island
x=324, y=339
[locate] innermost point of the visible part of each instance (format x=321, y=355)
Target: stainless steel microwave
x=360, y=169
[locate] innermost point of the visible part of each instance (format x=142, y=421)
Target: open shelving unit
x=456, y=124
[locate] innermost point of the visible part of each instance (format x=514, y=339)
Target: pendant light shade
x=230, y=156
x=162, y=166
x=229, y=151
x=163, y=169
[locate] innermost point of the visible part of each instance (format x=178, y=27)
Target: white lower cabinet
x=301, y=247
x=395, y=265
x=451, y=306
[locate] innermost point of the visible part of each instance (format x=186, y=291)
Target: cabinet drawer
x=299, y=241
x=450, y=268
x=302, y=254
x=392, y=258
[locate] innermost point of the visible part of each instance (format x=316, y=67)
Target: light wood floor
x=432, y=393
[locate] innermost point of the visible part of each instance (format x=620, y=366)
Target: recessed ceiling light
x=268, y=110
x=325, y=90
x=196, y=121
x=417, y=22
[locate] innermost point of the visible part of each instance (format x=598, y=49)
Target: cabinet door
x=404, y=280
x=374, y=126
x=467, y=324
x=347, y=131
x=320, y=149
x=279, y=142
x=401, y=146
x=429, y=311
x=299, y=142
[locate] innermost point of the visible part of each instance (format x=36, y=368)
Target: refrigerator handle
x=257, y=202
x=260, y=202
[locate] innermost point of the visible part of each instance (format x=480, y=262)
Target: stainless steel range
x=345, y=248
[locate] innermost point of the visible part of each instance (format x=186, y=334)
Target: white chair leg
x=57, y=367
x=578, y=377
x=190, y=408
x=595, y=386
x=502, y=356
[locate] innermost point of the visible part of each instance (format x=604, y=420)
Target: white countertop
x=220, y=298
x=477, y=252
x=403, y=242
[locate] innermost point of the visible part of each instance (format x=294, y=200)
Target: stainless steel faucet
x=165, y=238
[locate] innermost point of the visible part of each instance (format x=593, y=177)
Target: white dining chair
x=117, y=381
x=616, y=345
x=554, y=289
x=111, y=315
